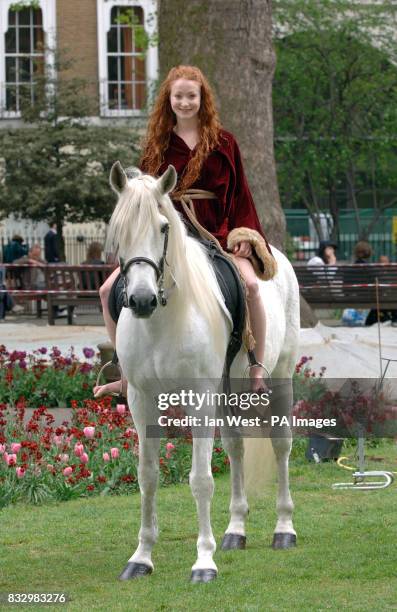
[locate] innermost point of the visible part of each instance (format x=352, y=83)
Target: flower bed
x=95, y=453
x=46, y=376
x=357, y=406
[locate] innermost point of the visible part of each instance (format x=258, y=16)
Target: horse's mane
x=137, y=210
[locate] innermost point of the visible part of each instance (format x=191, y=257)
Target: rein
x=158, y=268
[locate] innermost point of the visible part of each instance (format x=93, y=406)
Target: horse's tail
x=260, y=468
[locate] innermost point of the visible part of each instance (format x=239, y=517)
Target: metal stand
x=360, y=477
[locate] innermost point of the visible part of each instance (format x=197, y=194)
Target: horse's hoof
x=282, y=541
x=135, y=570
x=233, y=541
x=203, y=575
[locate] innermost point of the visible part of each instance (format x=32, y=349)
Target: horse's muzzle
x=143, y=305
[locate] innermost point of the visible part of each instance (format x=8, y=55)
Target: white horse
x=187, y=339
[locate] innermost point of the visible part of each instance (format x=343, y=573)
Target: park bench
x=64, y=285
x=348, y=285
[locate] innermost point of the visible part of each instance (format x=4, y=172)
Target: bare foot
x=258, y=384
x=117, y=387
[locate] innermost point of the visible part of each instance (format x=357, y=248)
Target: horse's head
x=140, y=228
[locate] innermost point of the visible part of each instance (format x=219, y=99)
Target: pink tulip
x=20, y=472
x=106, y=457
x=64, y=457
x=169, y=446
x=89, y=432
x=84, y=458
x=50, y=467
x=15, y=447
x=120, y=408
x=78, y=449
x=2, y=449
x=67, y=471
x=114, y=452
x=58, y=440
x=10, y=459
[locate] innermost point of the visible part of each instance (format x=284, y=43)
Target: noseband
x=158, y=268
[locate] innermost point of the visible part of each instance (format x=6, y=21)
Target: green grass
x=346, y=556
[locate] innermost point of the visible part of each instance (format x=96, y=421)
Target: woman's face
x=329, y=253
x=185, y=98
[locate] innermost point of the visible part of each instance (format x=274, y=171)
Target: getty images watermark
x=229, y=404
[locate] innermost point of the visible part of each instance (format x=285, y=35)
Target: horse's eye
x=163, y=228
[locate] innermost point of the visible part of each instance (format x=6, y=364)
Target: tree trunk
x=231, y=43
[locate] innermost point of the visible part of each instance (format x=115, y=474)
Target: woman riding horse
x=184, y=130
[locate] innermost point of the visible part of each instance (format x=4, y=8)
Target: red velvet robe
x=223, y=174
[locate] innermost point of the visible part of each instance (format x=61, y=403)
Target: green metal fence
x=305, y=239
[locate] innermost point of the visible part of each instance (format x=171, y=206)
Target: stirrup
x=119, y=395
x=254, y=363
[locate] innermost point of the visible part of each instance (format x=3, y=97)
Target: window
x=26, y=39
x=24, y=57
x=126, y=61
x=126, y=68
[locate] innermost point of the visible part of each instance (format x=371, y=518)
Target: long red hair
x=162, y=121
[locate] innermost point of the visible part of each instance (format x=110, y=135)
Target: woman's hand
x=243, y=249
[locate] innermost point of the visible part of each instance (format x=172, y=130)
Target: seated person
x=384, y=315
x=326, y=255
x=33, y=277
x=6, y=302
x=94, y=253
x=362, y=252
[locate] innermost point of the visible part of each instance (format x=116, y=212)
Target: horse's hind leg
x=202, y=485
x=234, y=537
x=140, y=563
x=281, y=437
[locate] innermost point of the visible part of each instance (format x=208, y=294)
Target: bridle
x=158, y=268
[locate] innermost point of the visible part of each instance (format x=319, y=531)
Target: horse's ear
x=167, y=181
x=118, y=178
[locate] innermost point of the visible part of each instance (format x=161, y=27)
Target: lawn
x=346, y=556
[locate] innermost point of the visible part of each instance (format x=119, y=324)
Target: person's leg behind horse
x=110, y=324
x=256, y=312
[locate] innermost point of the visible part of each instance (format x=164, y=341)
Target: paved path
x=344, y=351
x=30, y=335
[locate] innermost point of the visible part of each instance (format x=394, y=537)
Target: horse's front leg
x=202, y=485
x=234, y=537
x=284, y=533
x=140, y=563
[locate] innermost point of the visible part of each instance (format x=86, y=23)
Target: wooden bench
x=64, y=285
x=348, y=285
